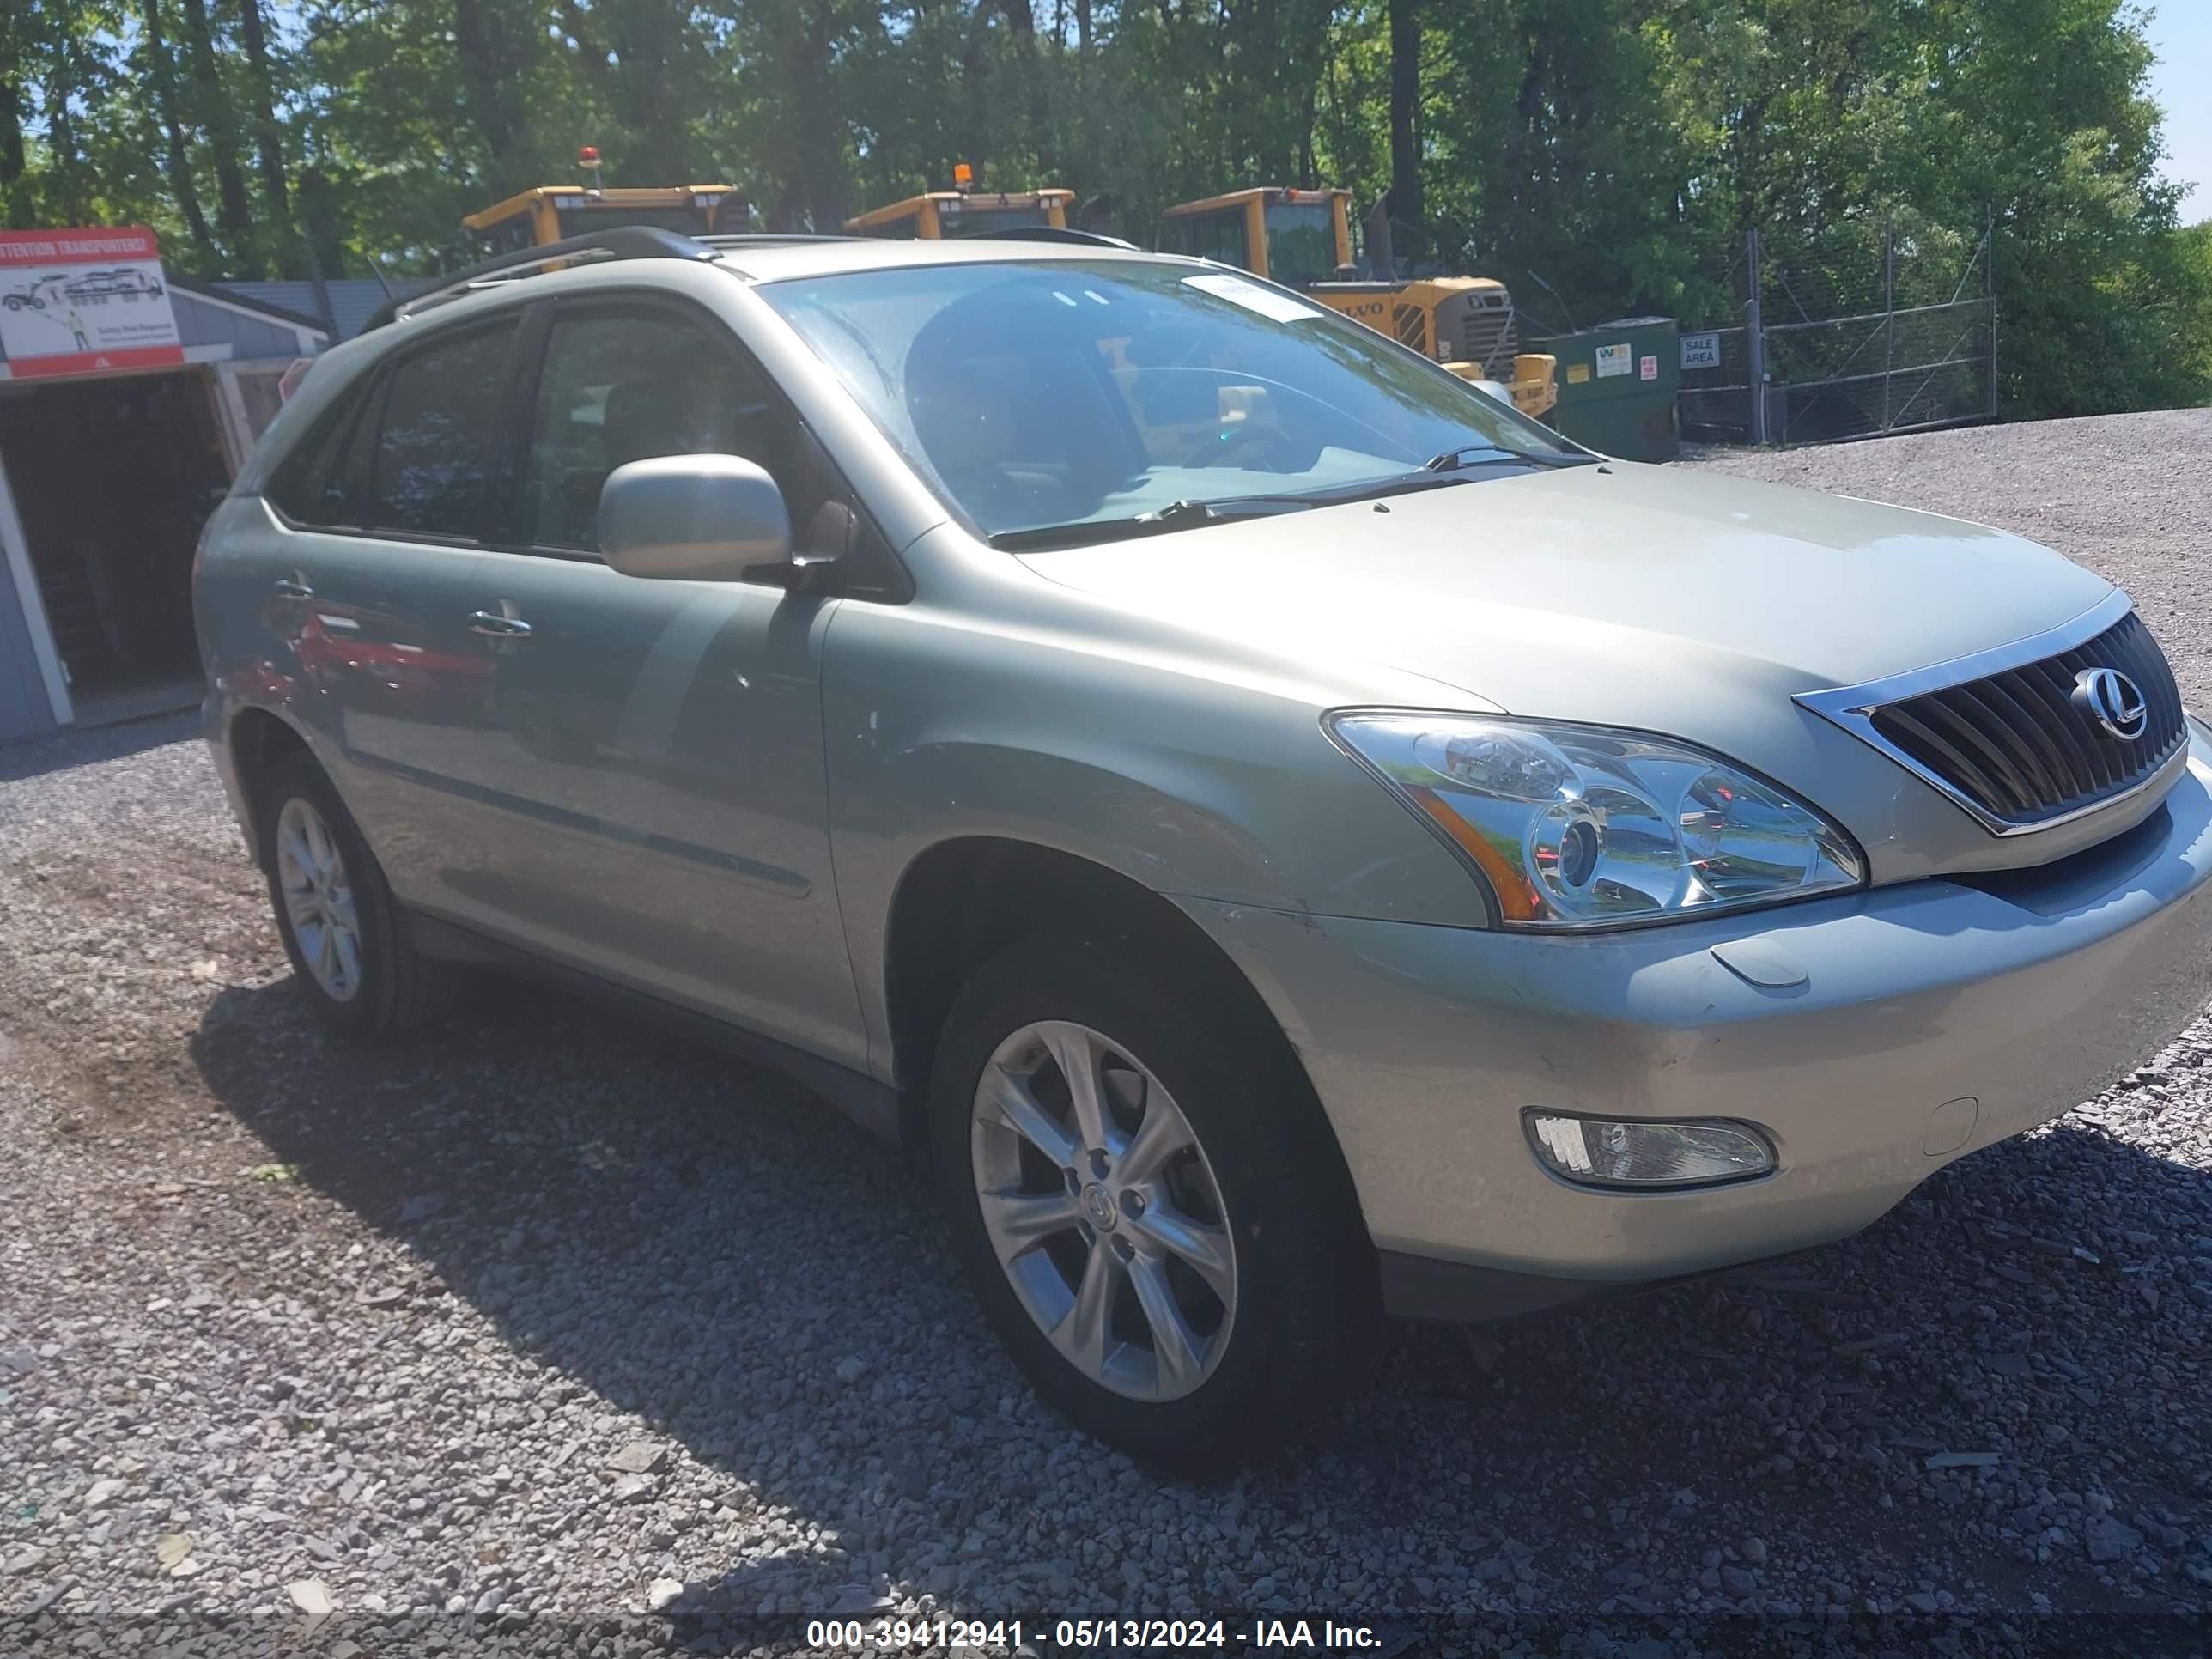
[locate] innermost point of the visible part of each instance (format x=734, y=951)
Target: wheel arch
x=258, y=739
x=962, y=900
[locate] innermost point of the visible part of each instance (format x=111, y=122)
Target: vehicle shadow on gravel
x=701, y=1244
x=33, y=757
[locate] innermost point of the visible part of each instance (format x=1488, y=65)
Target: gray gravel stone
x=2112, y=1540
x=639, y=1457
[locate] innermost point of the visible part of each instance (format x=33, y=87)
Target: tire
x=1297, y=1327
x=381, y=986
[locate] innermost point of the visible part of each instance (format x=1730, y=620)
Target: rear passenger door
x=377, y=596
x=654, y=748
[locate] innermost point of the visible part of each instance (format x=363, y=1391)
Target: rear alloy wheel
x=317, y=895
x=1148, y=1201
x=348, y=938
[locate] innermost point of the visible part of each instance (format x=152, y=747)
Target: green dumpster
x=1617, y=385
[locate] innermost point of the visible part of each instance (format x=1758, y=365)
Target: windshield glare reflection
x=1051, y=394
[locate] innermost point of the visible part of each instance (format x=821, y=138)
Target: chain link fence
x=1792, y=338
x=1853, y=335
x=1713, y=404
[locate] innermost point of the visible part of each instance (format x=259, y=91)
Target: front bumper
x=2021, y=996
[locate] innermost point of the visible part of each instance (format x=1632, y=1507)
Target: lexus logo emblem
x=2114, y=701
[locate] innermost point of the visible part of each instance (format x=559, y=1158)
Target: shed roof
x=352, y=299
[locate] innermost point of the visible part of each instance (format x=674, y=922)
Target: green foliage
x=1604, y=156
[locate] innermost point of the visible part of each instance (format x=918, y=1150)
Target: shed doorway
x=111, y=478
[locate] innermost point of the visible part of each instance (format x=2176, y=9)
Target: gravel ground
x=552, y=1333
x=2126, y=495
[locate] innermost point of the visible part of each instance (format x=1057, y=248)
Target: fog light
x=1601, y=1151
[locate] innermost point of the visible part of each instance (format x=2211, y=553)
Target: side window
x=619, y=387
x=1218, y=235
x=317, y=484
x=438, y=419
x=622, y=386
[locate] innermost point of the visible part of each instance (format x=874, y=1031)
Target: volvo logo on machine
x=2114, y=701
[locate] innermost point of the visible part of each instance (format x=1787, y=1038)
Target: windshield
x=1061, y=394
x=1301, y=242
x=686, y=220
x=959, y=219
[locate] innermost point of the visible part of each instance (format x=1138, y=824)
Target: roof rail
x=616, y=242
x=1049, y=233
x=773, y=238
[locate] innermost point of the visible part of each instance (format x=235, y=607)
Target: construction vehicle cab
x=1295, y=237
x=1303, y=239
x=552, y=213
x=938, y=213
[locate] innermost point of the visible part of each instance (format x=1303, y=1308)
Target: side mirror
x=697, y=518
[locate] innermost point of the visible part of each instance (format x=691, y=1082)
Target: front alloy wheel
x=1104, y=1211
x=1147, y=1197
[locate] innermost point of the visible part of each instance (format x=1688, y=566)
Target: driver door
x=653, y=748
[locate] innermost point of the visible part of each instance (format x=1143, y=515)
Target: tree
x=268, y=138
x=1609, y=152
x=212, y=113
x=161, y=77
x=1406, y=162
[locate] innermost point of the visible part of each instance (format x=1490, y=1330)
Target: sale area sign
x=78, y=302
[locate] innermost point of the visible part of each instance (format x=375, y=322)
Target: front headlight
x=1582, y=826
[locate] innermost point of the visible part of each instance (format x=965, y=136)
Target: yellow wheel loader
x=965, y=213
x=1303, y=239
x=552, y=213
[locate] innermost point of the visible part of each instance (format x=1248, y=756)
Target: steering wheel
x=1265, y=447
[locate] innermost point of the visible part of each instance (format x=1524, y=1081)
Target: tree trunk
x=268, y=141
x=1083, y=27
x=162, y=73
x=233, y=207
x=1309, y=116
x=649, y=40
x=11, y=157
x=1021, y=18
x=490, y=80
x=974, y=127
x=69, y=201
x=1405, y=125
x=821, y=161
x=78, y=176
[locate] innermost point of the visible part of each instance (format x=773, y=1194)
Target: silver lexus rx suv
x=1284, y=837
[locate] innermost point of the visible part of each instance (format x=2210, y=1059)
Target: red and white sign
x=78, y=301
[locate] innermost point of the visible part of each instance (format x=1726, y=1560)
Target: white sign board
x=1278, y=307
x=78, y=301
x=1701, y=351
x=1613, y=360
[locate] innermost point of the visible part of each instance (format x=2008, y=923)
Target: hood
x=1598, y=595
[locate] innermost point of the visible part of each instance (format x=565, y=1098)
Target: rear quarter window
x=322, y=484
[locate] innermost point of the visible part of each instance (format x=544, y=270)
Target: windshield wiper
x=1176, y=515
x=1184, y=514
x=1398, y=483
x=1467, y=455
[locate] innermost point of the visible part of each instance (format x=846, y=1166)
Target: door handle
x=499, y=626
x=292, y=588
